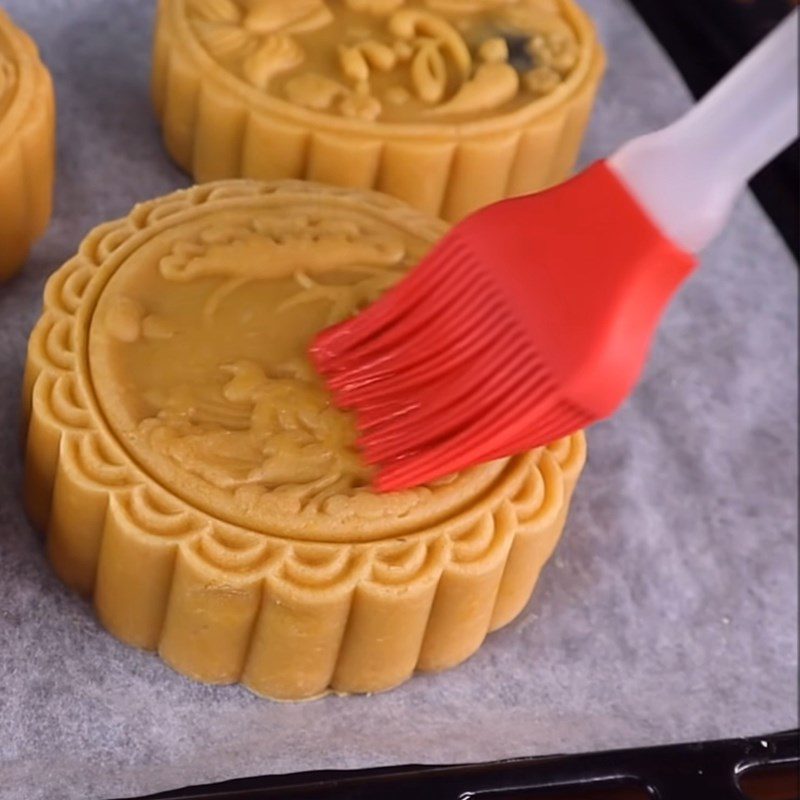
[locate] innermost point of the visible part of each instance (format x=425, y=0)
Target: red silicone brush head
x=530, y=319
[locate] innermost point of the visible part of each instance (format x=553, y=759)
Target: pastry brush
x=533, y=317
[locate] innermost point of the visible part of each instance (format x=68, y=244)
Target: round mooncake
x=27, y=146
x=195, y=481
x=446, y=104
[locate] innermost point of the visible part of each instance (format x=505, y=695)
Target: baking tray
x=711, y=770
x=764, y=767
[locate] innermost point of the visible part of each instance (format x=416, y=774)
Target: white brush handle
x=688, y=175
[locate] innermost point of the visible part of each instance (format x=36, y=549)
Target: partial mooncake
x=27, y=146
x=196, y=483
x=446, y=104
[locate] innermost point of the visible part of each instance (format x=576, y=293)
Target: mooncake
x=27, y=145
x=194, y=480
x=446, y=104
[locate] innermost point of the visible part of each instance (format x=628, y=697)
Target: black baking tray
x=757, y=768
x=704, y=38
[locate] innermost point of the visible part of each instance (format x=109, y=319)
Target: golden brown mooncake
x=27, y=145
x=195, y=482
x=446, y=104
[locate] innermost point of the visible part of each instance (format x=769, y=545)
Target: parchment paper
x=668, y=613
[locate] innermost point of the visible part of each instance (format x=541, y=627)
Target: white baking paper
x=668, y=613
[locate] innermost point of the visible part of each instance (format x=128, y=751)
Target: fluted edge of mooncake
x=222, y=604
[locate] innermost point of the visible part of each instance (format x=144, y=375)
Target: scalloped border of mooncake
x=27, y=153
x=288, y=619
x=214, y=129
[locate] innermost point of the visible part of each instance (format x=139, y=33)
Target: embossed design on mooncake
x=277, y=432
x=268, y=16
x=272, y=429
x=289, y=617
x=260, y=434
x=436, y=49
x=376, y=7
x=258, y=33
x=303, y=248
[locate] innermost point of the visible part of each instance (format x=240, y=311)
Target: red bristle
x=379, y=447
x=424, y=465
x=368, y=371
x=332, y=347
x=378, y=352
x=449, y=455
x=462, y=383
x=443, y=316
x=410, y=370
x=433, y=404
x=416, y=373
x=488, y=423
x=547, y=428
x=388, y=481
x=456, y=334
x=553, y=420
x=560, y=423
x=414, y=431
x=434, y=311
x=481, y=412
x=381, y=413
x=565, y=422
x=363, y=325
